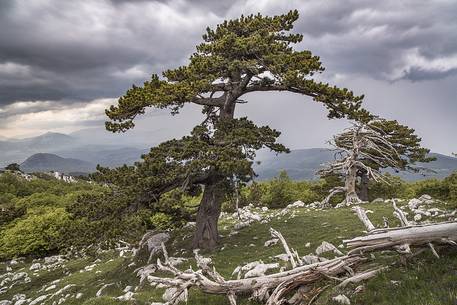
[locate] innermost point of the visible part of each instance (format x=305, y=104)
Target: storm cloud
x=72, y=54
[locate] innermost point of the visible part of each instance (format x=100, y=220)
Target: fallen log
x=271, y=288
x=421, y=235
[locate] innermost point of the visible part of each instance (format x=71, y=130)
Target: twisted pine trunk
x=363, y=191
x=350, y=184
x=207, y=235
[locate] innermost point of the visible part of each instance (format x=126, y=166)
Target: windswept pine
x=250, y=54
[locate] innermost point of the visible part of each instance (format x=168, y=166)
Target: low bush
x=37, y=234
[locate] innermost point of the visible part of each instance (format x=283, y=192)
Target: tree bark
x=207, y=235
x=363, y=191
x=350, y=183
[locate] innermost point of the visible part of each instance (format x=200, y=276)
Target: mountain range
x=82, y=151
x=83, y=145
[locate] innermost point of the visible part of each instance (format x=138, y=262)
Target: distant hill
x=104, y=155
x=43, y=162
x=94, y=146
x=303, y=163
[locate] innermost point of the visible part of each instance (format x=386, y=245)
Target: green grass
x=420, y=280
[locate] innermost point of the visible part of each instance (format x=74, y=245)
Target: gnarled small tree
x=407, y=145
x=250, y=54
x=367, y=148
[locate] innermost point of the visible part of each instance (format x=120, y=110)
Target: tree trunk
x=207, y=234
x=350, y=182
x=363, y=191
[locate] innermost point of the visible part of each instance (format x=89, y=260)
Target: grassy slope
x=421, y=280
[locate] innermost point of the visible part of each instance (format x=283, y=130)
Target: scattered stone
x=260, y=270
x=283, y=257
x=271, y=242
x=417, y=217
x=126, y=297
x=39, y=300
x=35, y=266
x=296, y=204
x=342, y=299
x=327, y=247
x=100, y=291
x=310, y=259
x=50, y=287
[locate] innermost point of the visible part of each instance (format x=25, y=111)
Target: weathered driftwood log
x=278, y=284
x=418, y=235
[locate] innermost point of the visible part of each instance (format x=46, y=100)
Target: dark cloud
x=74, y=52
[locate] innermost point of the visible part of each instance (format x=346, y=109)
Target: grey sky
x=63, y=62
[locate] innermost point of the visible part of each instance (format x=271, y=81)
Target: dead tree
x=358, y=142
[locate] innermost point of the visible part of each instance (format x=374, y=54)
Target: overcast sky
x=63, y=62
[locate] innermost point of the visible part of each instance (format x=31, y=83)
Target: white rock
x=50, y=287
x=414, y=203
x=417, y=217
x=327, y=247
x=271, y=242
x=35, y=266
x=425, y=197
x=342, y=299
x=296, y=204
x=283, y=257
x=18, y=297
x=100, y=291
x=52, y=259
x=90, y=267
x=308, y=244
x=78, y=295
x=260, y=270
x=126, y=297
x=6, y=302
x=310, y=259
x=19, y=275
x=62, y=290
x=39, y=299
x=127, y=289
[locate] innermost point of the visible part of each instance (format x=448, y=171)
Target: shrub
x=37, y=234
x=9, y=212
x=161, y=221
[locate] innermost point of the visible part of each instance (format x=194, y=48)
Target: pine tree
x=366, y=148
x=249, y=54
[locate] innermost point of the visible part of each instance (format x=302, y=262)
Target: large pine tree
x=249, y=54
